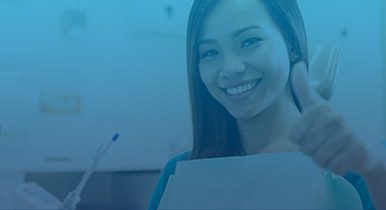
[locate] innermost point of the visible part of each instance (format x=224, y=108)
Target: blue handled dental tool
x=73, y=198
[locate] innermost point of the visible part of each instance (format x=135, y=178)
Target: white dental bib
x=263, y=181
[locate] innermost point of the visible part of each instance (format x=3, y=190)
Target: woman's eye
x=209, y=53
x=250, y=42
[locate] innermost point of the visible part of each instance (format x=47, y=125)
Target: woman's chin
x=244, y=114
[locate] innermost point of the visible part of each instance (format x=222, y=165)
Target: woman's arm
x=376, y=182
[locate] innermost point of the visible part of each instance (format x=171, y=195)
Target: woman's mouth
x=242, y=89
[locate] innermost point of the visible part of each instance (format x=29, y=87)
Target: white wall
x=74, y=72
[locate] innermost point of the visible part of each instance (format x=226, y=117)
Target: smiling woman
x=250, y=94
x=222, y=62
x=248, y=71
x=233, y=75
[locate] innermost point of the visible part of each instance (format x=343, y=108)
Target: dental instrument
x=73, y=198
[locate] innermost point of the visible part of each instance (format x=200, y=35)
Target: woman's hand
x=323, y=135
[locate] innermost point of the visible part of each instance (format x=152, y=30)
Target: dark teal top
x=170, y=169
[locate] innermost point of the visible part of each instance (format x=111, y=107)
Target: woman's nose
x=232, y=67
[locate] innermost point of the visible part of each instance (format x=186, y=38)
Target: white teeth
x=241, y=89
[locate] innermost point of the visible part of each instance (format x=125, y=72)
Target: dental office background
x=74, y=72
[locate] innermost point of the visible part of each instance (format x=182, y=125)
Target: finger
x=331, y=149
x=330, y=130
x=362, y=161
x=341, y=164
x=304, y=93
x=311, y=119
x=315, y=139
x=332, y=137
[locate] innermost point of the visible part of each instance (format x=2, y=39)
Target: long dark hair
x=215, y=131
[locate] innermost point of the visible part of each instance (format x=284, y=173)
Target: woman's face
x=243, y=58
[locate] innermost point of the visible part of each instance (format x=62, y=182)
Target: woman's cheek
x=209, y=80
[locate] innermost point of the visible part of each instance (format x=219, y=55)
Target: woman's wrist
x=376, y=182
x=373, y=166
x=378, y=173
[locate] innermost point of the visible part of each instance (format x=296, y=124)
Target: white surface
x=265, y=181
x=8, y=180
x=32, y=196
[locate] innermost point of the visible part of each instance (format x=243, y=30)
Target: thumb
x=304, y=93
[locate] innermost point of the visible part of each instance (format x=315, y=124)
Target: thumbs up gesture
x=323, y=135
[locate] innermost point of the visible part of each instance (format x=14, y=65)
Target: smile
x=242, y=88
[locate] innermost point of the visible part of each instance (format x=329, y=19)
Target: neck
x=269, y=130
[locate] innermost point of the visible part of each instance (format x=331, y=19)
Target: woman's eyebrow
x=236, y=33
x=240, y=31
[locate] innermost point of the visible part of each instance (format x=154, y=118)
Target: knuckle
x=307, y=150
x=297, y=130
x=320, y=161
x=318, y=108
x=335, y=168
x=335, y=122
x=338, y=121
x=347, y=136
x=294, y=134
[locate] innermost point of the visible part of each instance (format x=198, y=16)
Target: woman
x=247, y=64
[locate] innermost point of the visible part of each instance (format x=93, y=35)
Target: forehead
x=230, y=15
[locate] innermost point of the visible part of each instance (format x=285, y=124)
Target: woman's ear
x=293, y=58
